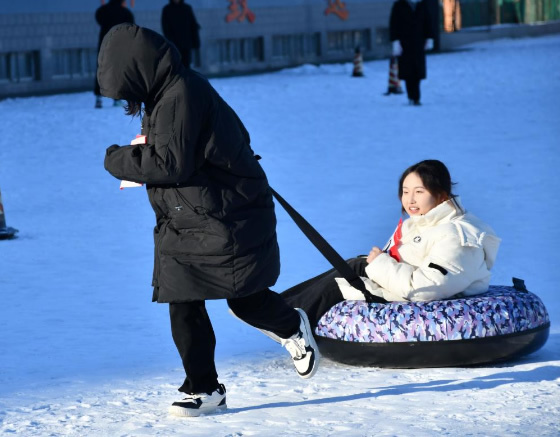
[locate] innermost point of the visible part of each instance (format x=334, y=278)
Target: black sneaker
x=196, y=404
x=303, y=349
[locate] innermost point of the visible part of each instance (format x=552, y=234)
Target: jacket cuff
x=376, y=265
x=112, y=148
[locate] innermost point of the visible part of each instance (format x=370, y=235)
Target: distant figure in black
x=109, y=15
x=179, y=26
x=411, y=32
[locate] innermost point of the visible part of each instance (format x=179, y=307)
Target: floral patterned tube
x=500, y=316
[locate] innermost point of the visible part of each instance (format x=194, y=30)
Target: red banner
x=337, y=7
x=239, y=11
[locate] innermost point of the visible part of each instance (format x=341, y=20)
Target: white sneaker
x=196, y=404
x=303, y=349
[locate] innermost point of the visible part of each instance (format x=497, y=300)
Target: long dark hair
x=435, y=177
x=133, y=108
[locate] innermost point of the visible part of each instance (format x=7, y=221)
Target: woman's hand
x=373, y=254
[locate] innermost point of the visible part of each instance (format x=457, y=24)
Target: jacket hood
x=470, y=229
x=136, y=64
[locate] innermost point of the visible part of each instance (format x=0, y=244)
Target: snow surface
x=83, y=351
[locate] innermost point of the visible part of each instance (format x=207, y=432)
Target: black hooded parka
x=215, y=235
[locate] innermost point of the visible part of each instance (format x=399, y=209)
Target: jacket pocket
x=184, y=213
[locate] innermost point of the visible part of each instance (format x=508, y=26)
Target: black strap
x=324, y=247
x=519, y=285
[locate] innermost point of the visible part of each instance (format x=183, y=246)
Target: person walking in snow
x=411, y=33
x=215, y=233
x=179, y=26
x=108, y=15
x=439, y=252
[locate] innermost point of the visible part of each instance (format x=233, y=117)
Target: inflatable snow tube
x=502, y=324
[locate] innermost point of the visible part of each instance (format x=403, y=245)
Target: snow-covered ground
x=83, y=351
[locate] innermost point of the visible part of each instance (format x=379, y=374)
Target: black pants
x=413, y=89
x=317, y=295
x=186, y=57
x=96, y=88
x=195, y=340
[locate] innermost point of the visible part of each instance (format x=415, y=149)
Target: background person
x=179, y=26
x=113, y=13
x=411, y=32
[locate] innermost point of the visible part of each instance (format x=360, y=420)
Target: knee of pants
x=249, y=303
x=358, y=265
x=234, y=306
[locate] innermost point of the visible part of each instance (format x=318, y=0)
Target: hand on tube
x=374, y=252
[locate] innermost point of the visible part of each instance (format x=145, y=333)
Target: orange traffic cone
x=394, y=82
x=5, y=232
x=358, y=64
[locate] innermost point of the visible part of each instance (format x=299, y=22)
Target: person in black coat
x=113, y=13
x=179, y=26
x=215, y=233
x=411, y=32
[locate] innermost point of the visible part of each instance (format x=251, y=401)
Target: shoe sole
x=187, y=412
x=312, y=343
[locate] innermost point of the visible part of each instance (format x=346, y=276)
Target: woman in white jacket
x=439, y=252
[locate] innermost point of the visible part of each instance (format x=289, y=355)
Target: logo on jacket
x=417, y=239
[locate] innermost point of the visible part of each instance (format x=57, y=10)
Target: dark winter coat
x=110, y=15
x=179, y=26
x=216, y=228
x=411, y=25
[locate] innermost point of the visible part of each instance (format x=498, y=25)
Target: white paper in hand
x=140, y=139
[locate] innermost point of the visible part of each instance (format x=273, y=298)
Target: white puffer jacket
x=444, y=253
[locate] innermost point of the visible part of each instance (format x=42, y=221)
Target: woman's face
x=416, y=199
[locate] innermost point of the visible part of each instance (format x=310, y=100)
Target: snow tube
x=502, y=324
